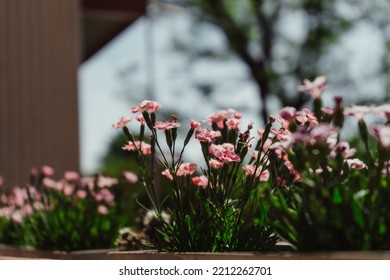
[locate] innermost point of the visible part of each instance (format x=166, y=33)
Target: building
x=42, y=44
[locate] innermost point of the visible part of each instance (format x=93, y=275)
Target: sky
x=114, y=80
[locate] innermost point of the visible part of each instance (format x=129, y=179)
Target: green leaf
x=357, y=214
x=337, y=199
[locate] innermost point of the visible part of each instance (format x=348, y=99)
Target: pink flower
x=207, y=135
x=356, y=164
x=68, y=189
x=343, y=148
x=166, y=125
x=104, y=195
x=382, y=133
x=327, y=111
x=280, y=134
x=87, y=182
x=288, y=114
x=249, y=170
x=140, y=119
x=47, y=171
x=237, y=115
x=145, y=148
x=121, y=123
x=200, y=181
x=358, y=111
x=81, y=194
x=220, y=116
x=71, y=176
x=305, y=115
x=147, y=106
x=224, y=153
x=186, y=169
x=314, y=88
x=194, y=124
x=102, y=209
x=215, y=163
x=292, y=170
x=130, y=177
x=49, y=183
x=232, y=124
x=106, y=182
x=383, y=110
x=167, y=174
x=318, y=134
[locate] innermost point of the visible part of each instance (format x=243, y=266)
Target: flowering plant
x=340, y=199
x=316, y=190
x=73, y=213
x=215, y=207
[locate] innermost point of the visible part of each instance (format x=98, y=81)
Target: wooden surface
x=39, y=57
x=153, y=255
x=9, y=252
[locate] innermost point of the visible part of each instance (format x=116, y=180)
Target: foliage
x=339, y=202
x=220, y=210
x=69, y=214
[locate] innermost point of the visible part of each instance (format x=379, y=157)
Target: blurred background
x=70, y=68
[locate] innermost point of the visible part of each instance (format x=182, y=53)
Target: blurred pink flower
x=146, y=149
x=280, y=134
x=237, y=115
x=104, y=195
x=200, y=181
x=71, y=176
x=130, y=177
x=81, y=194
x=121, y=123
x=305, y=115
x=194, y=124
x=293, y=171
x=106, y=182
x=47, y=171
x=343, y=148
x=358, y=111
x=147, y=106
x=17, y=217
x=102, y=209
x=68, y=189
x=207, y=135
x=356, y=164
x=220, y=116
x=215, y=163
x=19, y=196
x=87, y=182
x=383, y=110
x=166, y=125
x=382, y=133
x=224, y=152
x=186, y=169
x=249, y=170
x=314, y=88
x=49, y=183
x=288, y=114
x=140, y=119
x=232, y=124
x=167, y=174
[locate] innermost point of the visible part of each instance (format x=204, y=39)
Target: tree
x=253, y=31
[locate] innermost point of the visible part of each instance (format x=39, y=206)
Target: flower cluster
x=296, y=179
x=223, y=189
x=71, y=213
